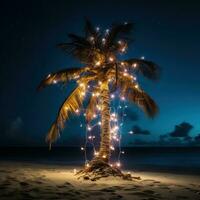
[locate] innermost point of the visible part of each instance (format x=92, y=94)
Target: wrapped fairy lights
x=107, y=82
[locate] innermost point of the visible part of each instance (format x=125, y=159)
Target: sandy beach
x=39, y=181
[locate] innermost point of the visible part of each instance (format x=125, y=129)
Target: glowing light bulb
x=113, y=114
x=99, y=123
x=96, y=153
x=89, y=128
x=91, y=38
x=137, y=86
x=94, y=116
x=77, y=110
x=116, y=127
x=122, y=152
x=119, y=42
x=82, y=148
x=103, y=40
x=104, y=156
x=90, y=137
x=112, y=148
x=76, y=77
x=97, y=28
x=112, y=96
x=87, y=165
x=118, y=164
x=135, y=65
x=48, y=75
x=114, y=137
x=82, y=85
x=111, y=59
x=99, y=82
x=123, y=49
x=66, y=108
x=123, y=98
x=113, y=117
x=122, y=63
x=130, y=132
x=54, y=81
x=98, y=63
x=98, y=107
x=83, y=93
x=142, y=57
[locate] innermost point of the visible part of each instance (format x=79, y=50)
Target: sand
x=36, y=181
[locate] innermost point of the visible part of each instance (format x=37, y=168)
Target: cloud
x=15, y=127
x=188, y=139
x=175, y=141
x=138, y=131
x=163, y=137
x=14, y=133
x=197, y=138
x=181, y=130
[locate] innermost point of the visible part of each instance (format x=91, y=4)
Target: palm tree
x=102, y=74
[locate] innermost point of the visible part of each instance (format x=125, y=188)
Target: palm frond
x=93, y=35
x=78, y=40
x=53, y=134
x=62, y=76
x=91, y=107
x=118, y=31
x=138, y=96
x=89, y=29
x=70, y=105
x=147, y=68
x=79, y=47
x=143, y=100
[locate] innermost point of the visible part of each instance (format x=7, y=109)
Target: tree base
x=99, y=169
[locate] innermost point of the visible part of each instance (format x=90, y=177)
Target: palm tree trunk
x=104, y=151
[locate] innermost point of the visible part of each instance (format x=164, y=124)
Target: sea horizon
x=177, y=159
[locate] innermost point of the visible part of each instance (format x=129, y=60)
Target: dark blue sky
x=167, y=33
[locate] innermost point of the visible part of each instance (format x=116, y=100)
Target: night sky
x=166, y=33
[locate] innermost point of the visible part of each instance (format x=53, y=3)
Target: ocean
x=179, y=160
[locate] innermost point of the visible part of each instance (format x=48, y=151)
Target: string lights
x=116, y=125
x=105, y=82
